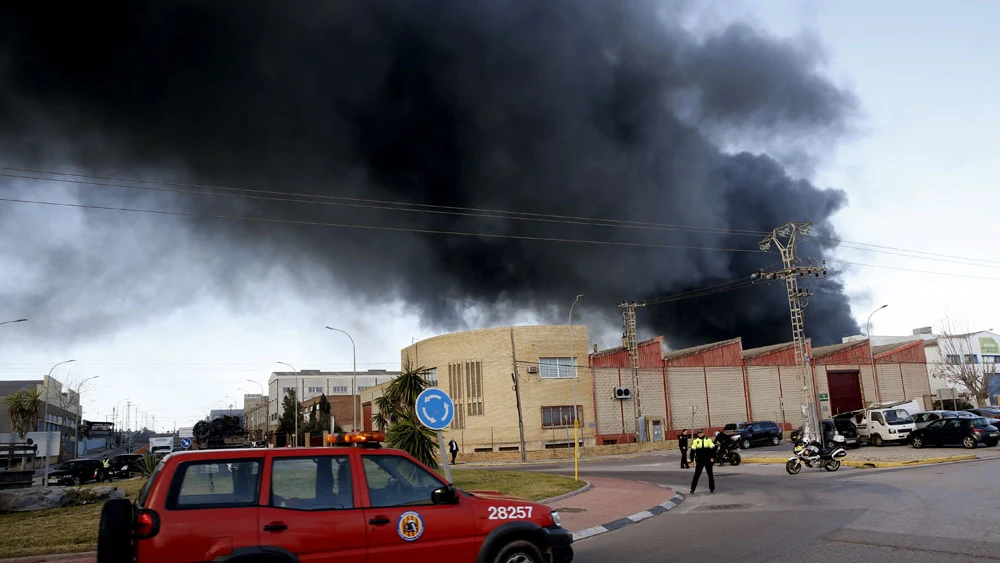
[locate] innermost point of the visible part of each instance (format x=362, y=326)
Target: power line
x=912, y=270
x=376, y=227
x=382, y=204
x=472, y=212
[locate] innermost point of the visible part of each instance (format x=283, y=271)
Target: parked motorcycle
x=814, y=455
x=726, y=451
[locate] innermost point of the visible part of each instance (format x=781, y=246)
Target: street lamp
x=576, y=409
x=45, y=420
x=79, y=417
x=871, y=352
x=354, y=379
x=296, y=414
x=117, y=412
x=267, y=406
x=17, y=321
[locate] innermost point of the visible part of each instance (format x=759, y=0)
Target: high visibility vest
x=107, y=464
x=700, y=443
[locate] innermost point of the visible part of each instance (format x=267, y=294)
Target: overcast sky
x=917, y=169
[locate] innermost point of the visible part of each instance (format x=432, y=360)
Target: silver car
x=924, y=418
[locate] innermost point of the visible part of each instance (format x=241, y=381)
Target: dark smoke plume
x=578, y=108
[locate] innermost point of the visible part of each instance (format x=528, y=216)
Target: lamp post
x=354, y=379
x=871, y=352
x=45, y=420
x=17, y=321
x=296, y=415
x=576, y=409
x=116, y=414
x=79, y=417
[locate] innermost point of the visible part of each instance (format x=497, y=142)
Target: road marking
x=640, y=516
x=582, y=534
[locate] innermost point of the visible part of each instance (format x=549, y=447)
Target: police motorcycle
x=726, y=449
x=813, y=454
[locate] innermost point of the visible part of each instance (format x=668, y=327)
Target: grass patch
x=74, y=528
x=531, y=486
x=59, y=530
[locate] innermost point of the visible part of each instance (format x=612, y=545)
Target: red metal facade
x=859, y=353
x=650, y=356
x=908, y=353
x=784, y=356
x=723, y=354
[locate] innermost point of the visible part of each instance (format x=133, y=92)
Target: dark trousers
x=707, y=465
x=684, y=458
x=453, y=456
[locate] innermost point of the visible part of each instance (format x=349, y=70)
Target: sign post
x=185, y=443
x=436, y=411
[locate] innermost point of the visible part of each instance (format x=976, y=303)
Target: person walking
x=453, y=448
x=105, y=470
x=682, y=443
x=703, y=454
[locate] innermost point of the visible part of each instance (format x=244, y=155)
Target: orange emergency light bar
x=362, y=438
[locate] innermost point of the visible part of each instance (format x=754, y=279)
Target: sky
x=915, y=167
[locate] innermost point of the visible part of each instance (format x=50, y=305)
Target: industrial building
x=715, y=384
x=313, y=383
x=476, y=368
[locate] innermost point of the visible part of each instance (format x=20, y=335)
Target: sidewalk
x=611, y=504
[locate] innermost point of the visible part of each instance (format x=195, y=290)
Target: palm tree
x=397, y=417
x=22, y=410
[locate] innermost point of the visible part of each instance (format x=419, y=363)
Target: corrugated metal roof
x=698, y=349
x=876, y=350
x=754, y=352
x=834, y=348
x=611, y=351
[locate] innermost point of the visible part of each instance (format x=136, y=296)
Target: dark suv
x=760, y=433
x=126, y=465
x=76, y=472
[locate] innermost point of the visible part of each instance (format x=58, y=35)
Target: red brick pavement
x=607, y=500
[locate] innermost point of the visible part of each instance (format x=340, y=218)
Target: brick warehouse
x=715, y=384
x=475, y=368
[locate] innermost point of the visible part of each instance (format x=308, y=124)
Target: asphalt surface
x=760, y=513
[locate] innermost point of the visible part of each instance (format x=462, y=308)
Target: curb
x=876, y=464
x=674, y=502
x=586, y=487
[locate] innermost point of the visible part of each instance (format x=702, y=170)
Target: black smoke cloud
x=583, y=108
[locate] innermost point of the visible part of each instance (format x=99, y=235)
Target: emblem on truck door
x=410, y=526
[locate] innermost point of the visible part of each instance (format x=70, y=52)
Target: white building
x=982, y=347
x=312, y=383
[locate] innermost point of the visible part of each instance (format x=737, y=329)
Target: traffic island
x=610, y=504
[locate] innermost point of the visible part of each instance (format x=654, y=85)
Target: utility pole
x=576, y=409
x=785, y=239
x=630, y=344
x=517, y=394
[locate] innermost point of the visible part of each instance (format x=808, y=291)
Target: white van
x=883, y=423
x=161, y=445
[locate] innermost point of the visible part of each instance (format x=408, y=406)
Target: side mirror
x=445, y=495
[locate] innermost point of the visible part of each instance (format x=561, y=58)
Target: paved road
x=760, y=513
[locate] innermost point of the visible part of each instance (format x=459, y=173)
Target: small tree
x=290, y=407
x=976, y=378
x=398, y=419
x=22, y=410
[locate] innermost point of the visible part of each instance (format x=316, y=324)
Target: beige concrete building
x=476, y=368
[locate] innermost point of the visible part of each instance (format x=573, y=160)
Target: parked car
x=968, y=432
x=831, y=429
x=76, y=472
x=988, y=412
x=759, y=433
x=922, y=419
x=846, y=428
x=126, y=465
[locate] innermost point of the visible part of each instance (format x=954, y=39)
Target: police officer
x=682, y=443
x=106, y=469
x=703, y=454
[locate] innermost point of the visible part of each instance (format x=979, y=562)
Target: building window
x=431, y=376
x=953, y=359
x=339, y=389
x=991, y=359
x=556, y=368
x=363, y=387
x=559, y=417
x=315, y=389
x=287, y=390
x=971, y=359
